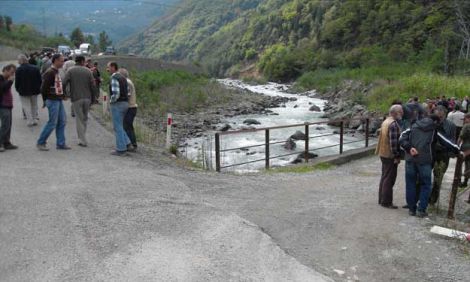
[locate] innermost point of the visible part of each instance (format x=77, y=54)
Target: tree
x=77, y=37
x=8, y=22
x=2, y=23
x=104, y=41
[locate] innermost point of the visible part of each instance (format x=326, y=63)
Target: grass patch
x=391, y=82
x=302, y=168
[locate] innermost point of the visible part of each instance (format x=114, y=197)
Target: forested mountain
x=285, y=38
x=119, y=18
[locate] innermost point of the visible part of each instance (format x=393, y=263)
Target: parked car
x=77, y=52
x=64, y=50
x=110, y=51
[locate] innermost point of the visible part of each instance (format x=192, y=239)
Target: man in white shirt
x=456, y=117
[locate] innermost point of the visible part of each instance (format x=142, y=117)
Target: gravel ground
x=85, y=215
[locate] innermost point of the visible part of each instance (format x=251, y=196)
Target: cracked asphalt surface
x=84, y=215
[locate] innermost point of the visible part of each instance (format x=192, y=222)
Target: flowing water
x=293, y=112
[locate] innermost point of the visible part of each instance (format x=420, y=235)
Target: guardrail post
x=455, y=187
x=341, y=137
x=307, y=139
x=217, y=152
x=267, y=148
x=367, y=131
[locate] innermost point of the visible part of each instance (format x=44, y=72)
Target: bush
x=278, y=63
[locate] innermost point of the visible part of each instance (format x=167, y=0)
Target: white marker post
x=168, y=130
x=105, y=103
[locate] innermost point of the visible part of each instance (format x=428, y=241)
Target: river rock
x=356, y=121
x=298, y=135
x=315, y=108
x=290, y=144
x=226, y=127
x=251, y=122
x=301, y=158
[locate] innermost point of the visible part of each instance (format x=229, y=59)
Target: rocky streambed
x=268, y=105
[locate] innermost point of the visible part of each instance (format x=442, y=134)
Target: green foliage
x=104, y=41
x=8, y=22
x=77, y=37
x=290, y=38
x=278, y=63
x=422, y=85
x=25, y=37
x=160, y=92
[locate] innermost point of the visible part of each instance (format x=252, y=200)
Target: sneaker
x=82, y=145
x=42, y=147
x=119, y=153
x=64, y=147
x=412, y=213
x=405, y=207
x=422, y=214
x=10, y=147
x=2, y=149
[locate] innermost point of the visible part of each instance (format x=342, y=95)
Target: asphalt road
x=84, y=215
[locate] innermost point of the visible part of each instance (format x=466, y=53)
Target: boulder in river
x=298, y=135
x=301, y=158
x=226, y=127
x=315, y=108
x=251, y=122
x=290, y=144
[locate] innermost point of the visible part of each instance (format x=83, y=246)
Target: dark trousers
x=387, y=181
x=5, y=127
x=129, y=125
x=457, y=132
x=440, y=168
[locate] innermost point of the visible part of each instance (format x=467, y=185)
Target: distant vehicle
x=110, y=51
x=77, y=52
x=85, y=49
x=64, y=50
x=131, y=54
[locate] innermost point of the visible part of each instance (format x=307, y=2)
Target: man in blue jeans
x=419, y=143
x=119, y=103
x=53, y=95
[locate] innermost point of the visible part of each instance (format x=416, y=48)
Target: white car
x=77, y=52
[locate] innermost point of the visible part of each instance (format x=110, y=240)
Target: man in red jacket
x=6, y=104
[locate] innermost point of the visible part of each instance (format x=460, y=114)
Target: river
x=293, y=112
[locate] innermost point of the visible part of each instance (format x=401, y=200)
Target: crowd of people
x=425, y=135
x=58, y=79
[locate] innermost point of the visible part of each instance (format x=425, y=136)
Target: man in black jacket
x=419, y=143
x=28, y=85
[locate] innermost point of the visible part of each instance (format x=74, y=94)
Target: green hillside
x=286, y=39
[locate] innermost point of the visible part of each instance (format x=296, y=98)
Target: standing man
x=419, y=143
x=456, y=117
x=388, y=149
x=119, y=103
x=82, y=89
x=53, y=95
x=28, y=85
x=465, y=104
x=46, y=63
x=442, y=155
x=132, y=111
x=6, y=105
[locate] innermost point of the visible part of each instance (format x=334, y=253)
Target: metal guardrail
x=267, y=142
